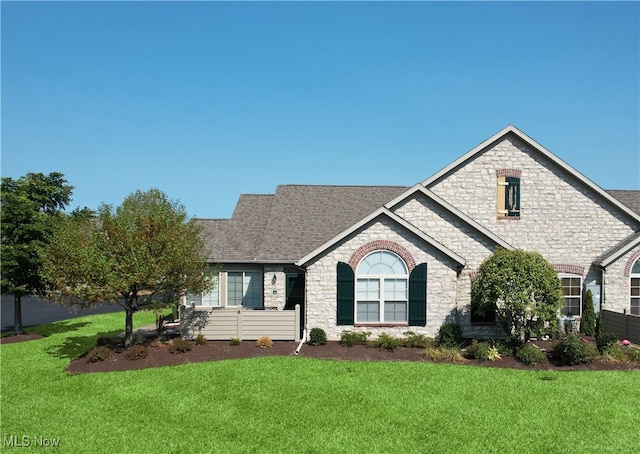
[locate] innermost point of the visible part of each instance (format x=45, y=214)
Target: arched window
x=381, y=289
x=635, y=289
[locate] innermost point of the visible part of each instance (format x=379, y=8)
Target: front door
x=295, y=295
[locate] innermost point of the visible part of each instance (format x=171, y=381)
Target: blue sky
x=208, y=100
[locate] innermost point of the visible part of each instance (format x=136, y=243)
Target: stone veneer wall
x=617, y=296
x=560, y=216
x=321, y=281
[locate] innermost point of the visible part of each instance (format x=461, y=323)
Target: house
x=397, y=259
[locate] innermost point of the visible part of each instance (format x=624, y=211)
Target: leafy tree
x=588, y=321
x=142, y=253
x=521, y=287
x=29, y=207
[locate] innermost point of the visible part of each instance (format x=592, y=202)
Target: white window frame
x=563, y=310
x=207, y=299
x=634, y=289
x=373, y=288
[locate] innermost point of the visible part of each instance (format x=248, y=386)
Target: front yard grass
x=294, y=404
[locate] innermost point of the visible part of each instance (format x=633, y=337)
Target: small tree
x=29, y=208
x=521, y=287
x=143, y=253
x=588, y=321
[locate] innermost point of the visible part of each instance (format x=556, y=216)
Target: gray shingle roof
x=290, y=223
x=627, y=197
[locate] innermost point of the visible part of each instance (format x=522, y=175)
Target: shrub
x=588, y=322
x=351, y=338
x=99, y=353
x=604, y=340
x=451, y=354
x=264, y=342
x=478, y=350
x=450, y=335
x=388, y=342
x=235, y=341
x=573, y=350
x=136, y=352
x=178, y=345
x=614, y=353
x=317, y=336
x=483, y=351
x=633, y=354
x=417, y=340
x=200, y=339
x=530, y=354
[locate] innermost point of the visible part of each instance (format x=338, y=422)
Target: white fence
x=239, y=323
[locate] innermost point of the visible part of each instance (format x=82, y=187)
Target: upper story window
x=382, y=289
x=508, y=193
x=634, y=308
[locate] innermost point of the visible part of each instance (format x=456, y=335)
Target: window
x=508, y=194
x=381, y=289
x=635, y=289
x=211, y=298
x=572, y=291
x=244, y=288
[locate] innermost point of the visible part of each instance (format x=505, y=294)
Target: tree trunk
x=17, y=314
x=128, y=330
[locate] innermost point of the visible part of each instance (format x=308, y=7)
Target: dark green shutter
x=512, y=196
x=418, y=296
x=346, y=289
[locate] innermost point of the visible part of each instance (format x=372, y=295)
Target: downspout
x=304, y=336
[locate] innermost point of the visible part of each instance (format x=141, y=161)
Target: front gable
x=562, y=214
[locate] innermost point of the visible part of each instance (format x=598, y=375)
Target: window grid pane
x=572, y=291
x=634, y=308
x=234, y=289
x=368, y=311
x=395, y=311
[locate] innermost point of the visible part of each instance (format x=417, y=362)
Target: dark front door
x=295, y=295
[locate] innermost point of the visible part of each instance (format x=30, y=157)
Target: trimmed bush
x=450, y=335
x=136, y=352
x=417, y=340
x=99, y=353
x=317, y=336
x=351, y=338
x=478, y=350
x=604, y=340
x=530, y=354
x=388, y=342
x=573, y=350
x=264, y=342
x=235, y=341
x=177, y=346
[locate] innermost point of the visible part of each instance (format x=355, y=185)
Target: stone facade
x=563, y=216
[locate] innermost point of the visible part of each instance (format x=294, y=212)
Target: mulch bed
x=19, y=338
x=159, y=356
x=222, y=350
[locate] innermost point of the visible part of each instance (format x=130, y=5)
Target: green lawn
x=301, y=405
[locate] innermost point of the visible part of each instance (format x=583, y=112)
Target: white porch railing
x=238, y=323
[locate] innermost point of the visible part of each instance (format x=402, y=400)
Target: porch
x=220, y=323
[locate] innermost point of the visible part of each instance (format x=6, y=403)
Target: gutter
x=304, y=336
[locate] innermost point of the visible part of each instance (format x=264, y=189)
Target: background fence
x=238, y=323
x=624, y=326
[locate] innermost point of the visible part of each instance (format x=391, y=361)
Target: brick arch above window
x=569, y=269
x=516, y=173
x=631, y=262
x=386, y=245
